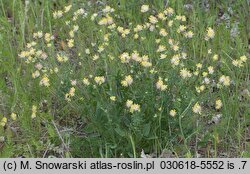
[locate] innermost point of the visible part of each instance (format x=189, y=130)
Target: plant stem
x=133, y=145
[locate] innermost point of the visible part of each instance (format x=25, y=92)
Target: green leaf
x=120, y=132
x=146, y=129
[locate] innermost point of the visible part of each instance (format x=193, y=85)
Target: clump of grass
x=112, y=80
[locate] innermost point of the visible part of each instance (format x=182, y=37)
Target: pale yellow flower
x=129, y=103
x=161, y=48
x=185, y=73
x=210, y=34
x=153, y=19
x=72, y=92
x=127, y=81
x=34, y=111
x=218, y=104
x=45, y=81
x=175, y=60
x=169, y=11
x=161, y=16
x=3, y=121
x=134, y=107
x=215, y=57
x=197, y=108
x=175, y=47
x=146, y=64
x=99, y=80
x=58, y=14
x=181, y=28
x=86, y=81
x=172, y=113
x=236, y=62
x=36, y=74
x=144, y=8
x=13, y=116
x=67, y=8
x=243, y=58
x=210, y=70
x=163, y=32
x=199, y=65
x=113, y=98
x=71, y=43
x=160, y=85
x=124, y=57
x=225, y=80
x=108, y=9
x=189, y=34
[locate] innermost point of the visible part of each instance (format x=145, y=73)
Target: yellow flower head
x=210, y=34
x=45, y=81
x=125, y=58
x=172, y=113
x=99, y=80
x=169, y=11
x=86, y=81
x=72, y=91
x=197, y=108
x=134, y=107
x=34, y=110
x=210, y=70
x=153, y=19
x=225, y=80
x=129, y=103
x=113, y=98
x=3, y=121
x=189, y=34
x=13, y=116
x=160, y=85
x=127, y=81
x=218, y=104
x=144, y=8
x=185, y=73
x=243, y=58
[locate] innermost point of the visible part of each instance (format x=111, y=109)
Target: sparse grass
x=67, y=117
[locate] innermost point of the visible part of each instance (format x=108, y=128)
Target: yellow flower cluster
x=99, y=79
x=45, y=81
x=62, y=58
x=143, y=60
x=239, y=62
x=34, y=111
x=3, y=121
x=13, y=116
x=123, y=31
x=108, y=9
x=197, y=108
x=172, y=113
x=160, y=85
x=218, y=104
x=201, y=88
x=86, y=81
x=185, y=73
x=113, y=98
x=210, y=34
x=58, y=14
x=225, y=80
x=132, y=106
x=127, y=81
x=70, y=94
x=107, y=20
x=144, y=8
